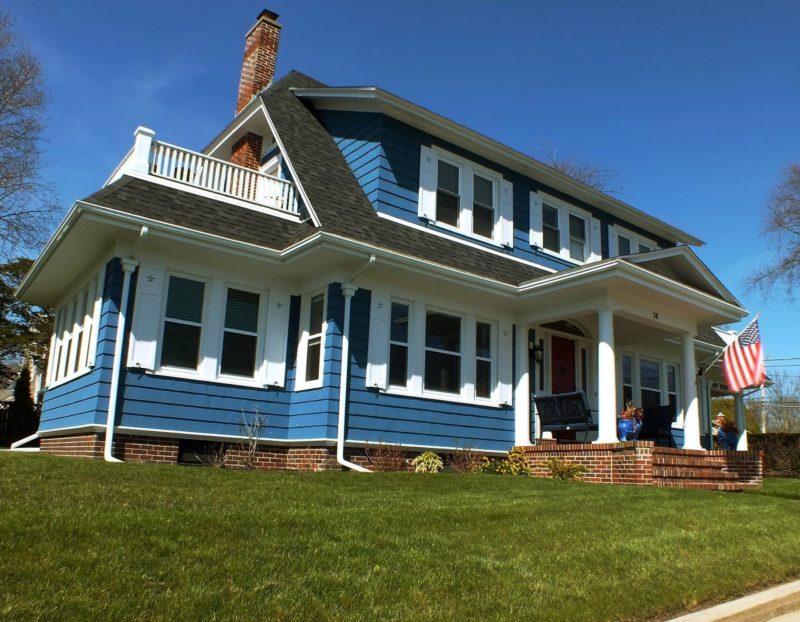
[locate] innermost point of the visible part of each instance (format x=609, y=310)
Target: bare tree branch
x=27, y=206
x=782, y=228
x=594, y=176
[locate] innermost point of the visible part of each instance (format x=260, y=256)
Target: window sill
x=444, y=227
x=307, y=386
x=197, y=377
x=441, y=397
x=550, y=253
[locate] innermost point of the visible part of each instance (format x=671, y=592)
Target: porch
x=642, y=463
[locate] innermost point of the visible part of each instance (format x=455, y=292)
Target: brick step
x=693, y=473
x=700, y=485
x=689, y=461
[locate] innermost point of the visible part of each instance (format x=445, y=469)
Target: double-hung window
x=459, y=194
x=649, y=382
x=442, y=352
x=623, y=242
x=562, y=229
x=240, y=333
x=312, y=341
x=483, y=360
x=398, y=345
x=183, y=322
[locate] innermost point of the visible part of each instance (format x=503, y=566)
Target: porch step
x=671, y=472
x=670, y=460
x=700, y=485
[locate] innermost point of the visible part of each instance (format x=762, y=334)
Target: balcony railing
x=198, y=170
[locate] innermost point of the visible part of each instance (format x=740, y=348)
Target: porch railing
x=198, y=170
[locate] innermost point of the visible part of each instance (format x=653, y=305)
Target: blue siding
x=383, y=154
x=382, y=417
x=84, y=400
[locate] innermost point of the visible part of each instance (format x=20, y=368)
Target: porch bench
x=657, y=425
x=564, y=412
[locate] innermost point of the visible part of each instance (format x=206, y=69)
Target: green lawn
x=85, y=540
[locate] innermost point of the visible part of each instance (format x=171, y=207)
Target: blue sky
x=694, y=104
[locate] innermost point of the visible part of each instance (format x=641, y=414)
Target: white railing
x=151, y=157
x=202, y=171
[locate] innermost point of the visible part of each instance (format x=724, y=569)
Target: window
x=240, y=334
x=627, y=379
x=448, y=198
x=672, y=387
x=577, y=238
x=562, y=229
x=180, y=345
x=483, y=360
x=74, y=334
x=550, y=230
x=442, y=352
x=398, y=346
x=650, y=380
x=623, y=242
x=313, y=368
x=483, y=207
x=459, y=194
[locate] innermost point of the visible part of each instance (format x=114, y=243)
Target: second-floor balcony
x=150, y=157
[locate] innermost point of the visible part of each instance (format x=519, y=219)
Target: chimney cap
x=265, y=16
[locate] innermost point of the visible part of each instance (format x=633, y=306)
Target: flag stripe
x=743, y=360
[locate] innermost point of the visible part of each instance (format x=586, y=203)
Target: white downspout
x=128, y=266
x=348, y=291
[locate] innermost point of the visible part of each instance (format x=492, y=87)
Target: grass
x=83, y=540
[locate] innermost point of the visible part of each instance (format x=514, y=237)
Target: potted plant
x=629, y=422
x=727, y=435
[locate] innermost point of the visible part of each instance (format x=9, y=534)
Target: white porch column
x=606, y=378
x=691, y=409
x=741, y=423
x=522, y=390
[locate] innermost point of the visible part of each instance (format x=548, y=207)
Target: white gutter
x=348, y=291
x=128, y=266
x=17, y=445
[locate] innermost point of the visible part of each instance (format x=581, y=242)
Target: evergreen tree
x=22, y=418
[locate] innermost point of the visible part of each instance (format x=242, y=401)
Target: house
x=454, y=276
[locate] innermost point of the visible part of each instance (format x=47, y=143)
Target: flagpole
x=720, y=355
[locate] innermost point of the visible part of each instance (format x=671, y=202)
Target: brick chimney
x=260, y=56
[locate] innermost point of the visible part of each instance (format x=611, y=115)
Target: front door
x=562, y=364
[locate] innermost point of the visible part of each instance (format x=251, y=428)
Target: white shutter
x=378, y=350
x=507, y=213
x=277, y=338
x=536, y=220
x=595, y=252
x=504, y=364
x=613, y=246
x=428, y=170
x=146, y=317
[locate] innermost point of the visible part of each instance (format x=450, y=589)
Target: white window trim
x=636, y=383
x=415, y=386
x=210, y=348
x=300, y=383
x=467, y=170
x=635, y=238
x=91, y=291
x=564, y=211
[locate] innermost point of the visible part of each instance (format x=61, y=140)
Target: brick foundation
x=166, y=451
x=643, y=464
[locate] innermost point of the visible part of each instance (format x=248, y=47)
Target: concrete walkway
x=777, y=604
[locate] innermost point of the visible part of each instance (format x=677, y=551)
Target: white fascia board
x=620, y=267
x=314, y=218
x=377, y=100
x=695, y=261
x=425, y=267
x=237, y=122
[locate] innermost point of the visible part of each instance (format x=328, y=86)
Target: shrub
x=467, y=460
x=386, y=457
x=561, y=469
x=428, y=462
x=781, y=452
x=515, y=463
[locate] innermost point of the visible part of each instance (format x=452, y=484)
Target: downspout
x=348, y=291
x=128, y=266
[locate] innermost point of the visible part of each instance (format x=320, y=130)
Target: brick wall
x=145, y=449
x=617, y=463
x=78, y=446
x=247, y=151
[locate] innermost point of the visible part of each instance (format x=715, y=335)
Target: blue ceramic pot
x=628, y=429
x=728, y=440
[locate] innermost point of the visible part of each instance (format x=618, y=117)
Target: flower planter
x=628, y=429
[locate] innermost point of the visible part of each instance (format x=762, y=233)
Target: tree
x=783, y=403
x=752, y=412
x=24, y=329
x=26, y=206
x=782, y=227
x=22, y=419
x=597, y=177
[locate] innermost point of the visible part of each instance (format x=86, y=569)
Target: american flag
x=744, y=361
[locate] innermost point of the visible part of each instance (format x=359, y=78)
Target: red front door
x=562, y=364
